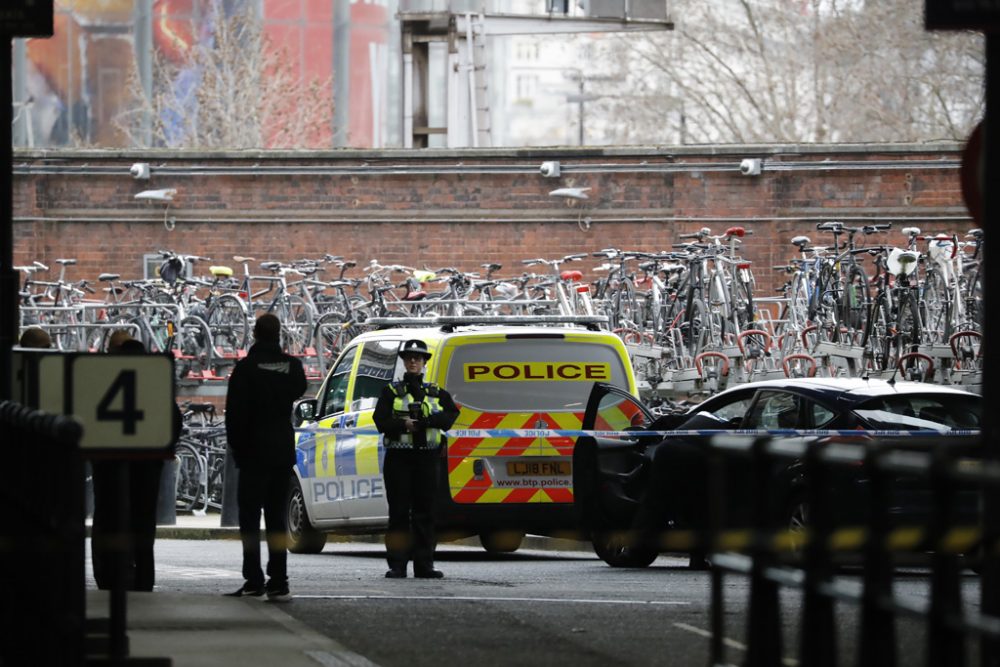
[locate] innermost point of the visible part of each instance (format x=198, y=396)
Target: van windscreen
x=531, y=374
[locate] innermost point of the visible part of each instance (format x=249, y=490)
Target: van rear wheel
x=616, y=549
x=302, y=537
x=501, y=541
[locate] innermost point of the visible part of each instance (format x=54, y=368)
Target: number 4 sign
x=125, y=402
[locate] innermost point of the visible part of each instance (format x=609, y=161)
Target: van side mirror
x=305, y=410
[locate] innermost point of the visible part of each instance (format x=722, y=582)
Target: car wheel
x=614, y=549
x=501, y=541
x=302, y=537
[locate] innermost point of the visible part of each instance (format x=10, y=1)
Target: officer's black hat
x=414, y=346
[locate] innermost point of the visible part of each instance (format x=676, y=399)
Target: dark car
x=632, y=490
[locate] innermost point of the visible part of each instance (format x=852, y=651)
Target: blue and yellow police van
x=531, y=373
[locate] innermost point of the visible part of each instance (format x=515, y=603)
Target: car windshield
x=910, y=412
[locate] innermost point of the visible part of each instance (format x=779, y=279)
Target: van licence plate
x=538, y=468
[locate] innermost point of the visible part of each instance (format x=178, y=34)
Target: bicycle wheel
x=743, y=313
x=936, y=309
x=65, y=331
x=215, y=478
x=331, y=333
x=624, y=308
x=192, y=345
x=855, y=301
x=821, y=298
x=296, y=323
x=698, y=322
x=799, y=302
x=877, y=338
x=907, y=334
x=190, y=469
x=227, y=320
x=973, y=296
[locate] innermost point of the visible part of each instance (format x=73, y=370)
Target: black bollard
x=166, y=501
x=877, y=643
x=230, y=509
x=818, y=638
x=88, y=489
x=764, y=645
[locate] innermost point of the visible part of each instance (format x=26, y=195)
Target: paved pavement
x=219, y=631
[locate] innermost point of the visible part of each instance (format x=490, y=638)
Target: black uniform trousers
x=411, y=477
x=263, y=488
x=133, y=542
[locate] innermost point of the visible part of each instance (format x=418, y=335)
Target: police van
x=528, y=373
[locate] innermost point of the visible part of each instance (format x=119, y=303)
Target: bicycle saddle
x=571, y=275
x=801, y=241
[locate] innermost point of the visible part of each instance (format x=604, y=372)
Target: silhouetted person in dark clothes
x=143, y=492
x=262, y=389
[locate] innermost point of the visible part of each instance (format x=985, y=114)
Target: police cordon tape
x=687, y=433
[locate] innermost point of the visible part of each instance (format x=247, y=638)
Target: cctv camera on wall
x=549, y=169
x=140, y=171
x=750, y=167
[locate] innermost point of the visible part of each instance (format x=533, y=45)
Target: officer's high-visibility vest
x=401, y=409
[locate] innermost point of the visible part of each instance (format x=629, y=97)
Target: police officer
x=411, y=414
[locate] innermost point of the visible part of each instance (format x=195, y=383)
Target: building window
x=526, y=85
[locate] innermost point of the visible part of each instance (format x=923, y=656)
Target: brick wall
x=465, y=208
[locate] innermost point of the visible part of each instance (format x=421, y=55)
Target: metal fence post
x=166, y=500
x=764, y=648
x=945, y=644
x=716, y=484
x=877, y=647
x=818, y=640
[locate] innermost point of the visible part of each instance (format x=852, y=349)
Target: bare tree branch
x=814, y=70
x=235, y=90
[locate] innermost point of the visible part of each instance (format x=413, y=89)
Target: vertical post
x=118, y=611
x=408, y=100
x=990, y=591
x=22, y=133
x=341, y=72
x=945, y=645
x=818, y=636
x=470, y=59
x=764, y=646
x=877, y=645
x=143, y=33
x=8, y=276
x=580, y=129
x=709, y=542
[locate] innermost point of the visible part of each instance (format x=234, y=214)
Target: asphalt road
x=531, y=607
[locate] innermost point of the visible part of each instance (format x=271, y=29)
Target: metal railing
x=946, y=465
x=41, y=539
